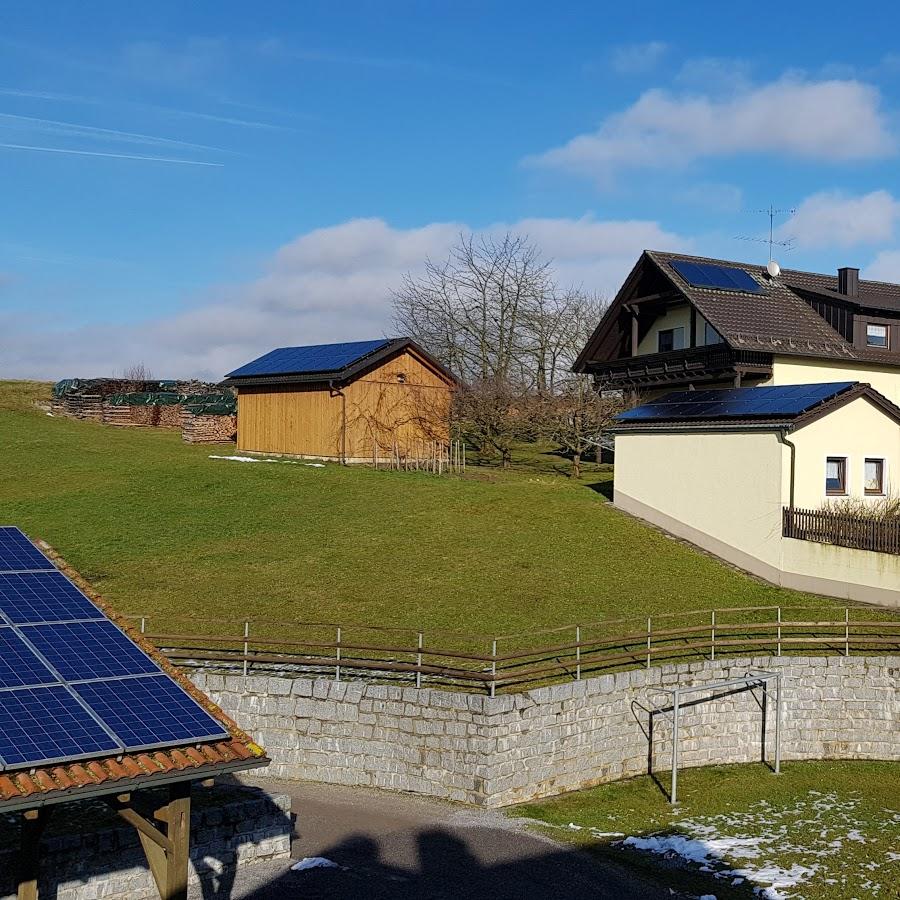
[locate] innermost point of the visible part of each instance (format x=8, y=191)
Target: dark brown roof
x=107, y=774
x=776, y=320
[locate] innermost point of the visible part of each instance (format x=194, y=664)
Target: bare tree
x=555, y=327
x=575, y=416
x=137, y=372
x=493, y=415
x=468, y=310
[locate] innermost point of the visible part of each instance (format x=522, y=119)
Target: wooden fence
x=827, y=527
x=517, y=661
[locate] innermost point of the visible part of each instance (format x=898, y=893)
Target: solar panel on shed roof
x=726, y=278
x=308, y=360
x=73, y=684
x=736, y=403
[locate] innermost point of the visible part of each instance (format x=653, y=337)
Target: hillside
x=160, y=528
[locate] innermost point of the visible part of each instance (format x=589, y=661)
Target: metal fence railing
x=517, y=661
x=827, y=527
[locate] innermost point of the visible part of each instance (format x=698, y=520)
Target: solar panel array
x=787, y=401
x=724, y=278
x=72, y=683
x=308, y=360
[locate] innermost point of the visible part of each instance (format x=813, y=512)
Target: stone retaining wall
x=88, y=852
x=512, y=748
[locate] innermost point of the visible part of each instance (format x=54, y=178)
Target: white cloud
x=634, y=59
x=836, y=219
x=885, y=267
x=329, y=284
x=831, y=121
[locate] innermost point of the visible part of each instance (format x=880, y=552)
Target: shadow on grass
x=604, y=488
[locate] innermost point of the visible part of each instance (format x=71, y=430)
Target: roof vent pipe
x=848, y=282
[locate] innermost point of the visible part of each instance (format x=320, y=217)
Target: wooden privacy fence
x=826, y=527
x=517, y=661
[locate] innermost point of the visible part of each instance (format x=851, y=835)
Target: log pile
x=79, y=406
x=208, y=429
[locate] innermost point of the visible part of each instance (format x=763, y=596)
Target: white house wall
x=855, y=431
x=720, y=490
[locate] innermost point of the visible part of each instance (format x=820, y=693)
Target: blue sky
x=188, y=185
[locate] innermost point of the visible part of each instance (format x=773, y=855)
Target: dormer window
x=876, y=335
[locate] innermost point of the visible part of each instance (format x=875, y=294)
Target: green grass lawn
x=831, y=828
x=160, y=528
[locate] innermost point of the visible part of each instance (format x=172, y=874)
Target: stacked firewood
x=207, y=429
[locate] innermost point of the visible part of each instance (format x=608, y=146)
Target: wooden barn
x=345, y=402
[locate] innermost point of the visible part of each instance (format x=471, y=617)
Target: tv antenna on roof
x=772, y=212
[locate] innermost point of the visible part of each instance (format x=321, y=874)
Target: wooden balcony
x=717, y=362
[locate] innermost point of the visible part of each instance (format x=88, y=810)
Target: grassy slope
x=161, y=528
x=803, y=816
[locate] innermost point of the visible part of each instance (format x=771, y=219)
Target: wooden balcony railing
x=693, y=362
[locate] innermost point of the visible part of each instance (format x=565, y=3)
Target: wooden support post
x=179, y=833
x=33, y=823
x=167, y=849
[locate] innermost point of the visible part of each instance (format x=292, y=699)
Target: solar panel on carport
x=72, y=683
x=708, y=275
x=735, y=403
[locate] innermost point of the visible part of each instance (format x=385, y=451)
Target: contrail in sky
x=161, y=159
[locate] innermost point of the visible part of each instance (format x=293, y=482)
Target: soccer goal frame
x=753, y=679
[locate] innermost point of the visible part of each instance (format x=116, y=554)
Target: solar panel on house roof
x=726, y=278
x=308, y=360
x=736, y=403
x=73, y=684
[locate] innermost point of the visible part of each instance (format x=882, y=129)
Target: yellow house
x=687, y=321
x=351, y=402
x=745, y=473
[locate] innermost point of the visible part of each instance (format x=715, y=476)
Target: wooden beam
x=167, y=853
x=179, y=833
x=33, y=823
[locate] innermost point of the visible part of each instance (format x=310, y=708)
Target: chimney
x=848, y=282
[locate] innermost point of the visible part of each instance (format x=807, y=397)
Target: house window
x=874, y=477
x=836, y=475
x=671, y=339
x=711, y=336
x=876, y=335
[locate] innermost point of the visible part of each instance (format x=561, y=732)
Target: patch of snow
x=574, y=827
x=314, y=862
x=855, y=835
x=260, y=459
x=49, y=414
x=605, y=834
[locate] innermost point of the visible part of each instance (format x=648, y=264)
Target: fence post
x=419, y=663
x=246, y=645
x=779, y=631
x=712, y=649
x=648, y=642
x=847, y=631
x=578, y=653
x=143, y=625
x=676, y=715
x=337, y=658
x=494, y=667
